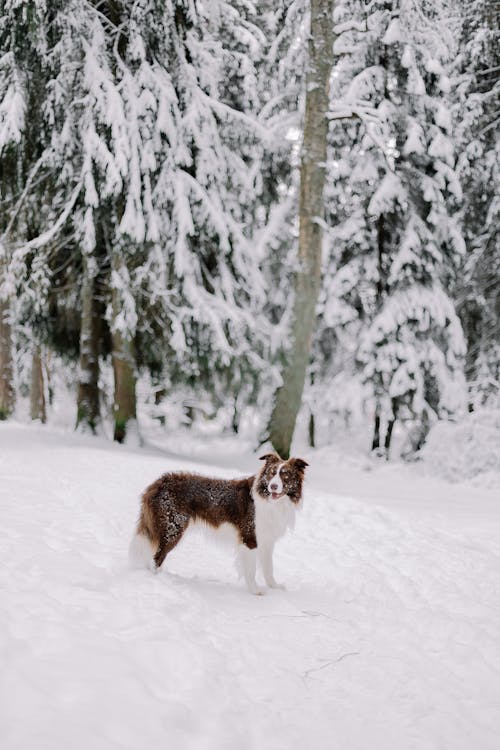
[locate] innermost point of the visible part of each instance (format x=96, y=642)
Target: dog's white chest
x=272, y=518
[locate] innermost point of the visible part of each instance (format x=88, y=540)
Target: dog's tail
x=140, y=551
x=143, y=544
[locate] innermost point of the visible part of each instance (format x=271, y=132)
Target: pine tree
x=12, y=110
x=209, y=184
x=398, y=242
x=201, y=277
x=152, y=148
x=7, y=392
x=23, y=159
x=476, y=123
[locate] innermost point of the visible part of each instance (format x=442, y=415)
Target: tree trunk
x=37, y=391
x=388, y=436
x=123, y=357
x=124, y=408
x=376, y=429
x=311, y=211
x=88, y=383
x=417, y=437
x=7, y=393
x=312, y=422
x=160, y=394
x=235, y=420
x=390, y=426
x=312, y=431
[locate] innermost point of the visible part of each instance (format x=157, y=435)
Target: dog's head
x=279, y=478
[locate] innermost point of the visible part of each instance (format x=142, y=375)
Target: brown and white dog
x=259, y=509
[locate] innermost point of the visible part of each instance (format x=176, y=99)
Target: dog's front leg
x=248, y=566
x=266, y=562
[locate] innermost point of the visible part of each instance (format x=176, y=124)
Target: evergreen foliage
x=149, y=184
x=477, y=123
x=395, y=241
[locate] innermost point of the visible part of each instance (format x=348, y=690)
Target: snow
x=394, y=34
x=386, y=637
x=467, y=449
x=388, y=193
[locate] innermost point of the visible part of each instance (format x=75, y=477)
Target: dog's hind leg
x=172, y=530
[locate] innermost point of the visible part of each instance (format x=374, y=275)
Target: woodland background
x=250, y=212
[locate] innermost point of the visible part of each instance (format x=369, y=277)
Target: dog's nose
x=273, y=486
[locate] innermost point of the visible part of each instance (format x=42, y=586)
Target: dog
x=259, y=509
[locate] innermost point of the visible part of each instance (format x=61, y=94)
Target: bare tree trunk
x=312, y=422
x=48, y=379
x=37, y=392
x=376, y=429
x=7, y=393
x=88, y=380
x=124, y=363
x=124, y=408
x=235, y=420
x=390, y=426
x=311, y=211
x=388, y=436
x=312, y=431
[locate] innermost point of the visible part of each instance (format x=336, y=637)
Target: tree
x=37, y=389
x=12, y=111
x=152, y=148
x=22, y=35
x=398, y=242
x=88, y=412
x=312, y=179
x=476, y=123
x=7, y=392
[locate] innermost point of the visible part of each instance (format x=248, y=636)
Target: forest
x=217, y=209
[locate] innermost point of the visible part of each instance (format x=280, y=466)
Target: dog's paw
x=256, y=590
x=276, y=585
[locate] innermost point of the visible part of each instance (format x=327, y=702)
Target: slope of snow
x=387, y=636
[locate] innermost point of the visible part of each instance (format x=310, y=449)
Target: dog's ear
x=299, y=463
x=270, y=457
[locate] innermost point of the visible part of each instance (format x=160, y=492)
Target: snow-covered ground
x=387, y=637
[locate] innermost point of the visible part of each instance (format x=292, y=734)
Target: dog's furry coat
x=259, y=508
